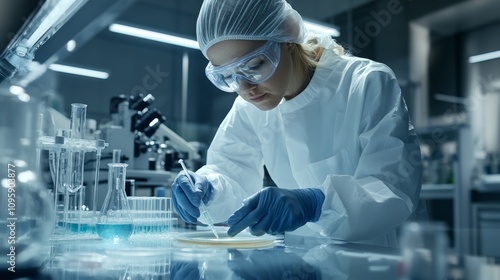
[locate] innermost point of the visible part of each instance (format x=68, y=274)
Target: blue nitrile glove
x=182, y=270
x=273, y=210
x=186, y=202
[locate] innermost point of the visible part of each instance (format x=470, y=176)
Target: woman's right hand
x=186, y=200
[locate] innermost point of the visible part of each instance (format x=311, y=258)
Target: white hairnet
x=274, y=20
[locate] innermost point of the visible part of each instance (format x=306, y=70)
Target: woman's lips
x=258, y=98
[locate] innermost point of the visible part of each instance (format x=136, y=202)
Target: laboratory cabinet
x=468, y=201
x=486, y=229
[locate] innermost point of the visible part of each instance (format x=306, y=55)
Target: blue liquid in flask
x=112, y=231
x=114, y=221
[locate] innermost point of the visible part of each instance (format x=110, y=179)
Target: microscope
x=147, y=145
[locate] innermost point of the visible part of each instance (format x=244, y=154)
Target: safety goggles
x=253, y=68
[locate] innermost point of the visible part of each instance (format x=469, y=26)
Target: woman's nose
x=245, y=86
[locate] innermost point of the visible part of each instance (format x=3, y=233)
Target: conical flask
x=115, y=222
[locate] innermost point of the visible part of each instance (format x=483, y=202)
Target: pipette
x=203, y=208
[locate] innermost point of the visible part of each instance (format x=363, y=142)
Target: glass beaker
x=115, y=222
x=424, y=248
x=26, y=215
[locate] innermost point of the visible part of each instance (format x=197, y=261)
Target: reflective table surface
x=289, y=257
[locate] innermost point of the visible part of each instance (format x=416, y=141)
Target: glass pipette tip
x=203, y=208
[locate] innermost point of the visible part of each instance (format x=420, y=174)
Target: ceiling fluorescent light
x=56, y=13
x=37, y=29
x=484, y=57
x=79, y=71
x=318, y=27
x=154, y=36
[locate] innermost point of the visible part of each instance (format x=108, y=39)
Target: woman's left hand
x=273, y=210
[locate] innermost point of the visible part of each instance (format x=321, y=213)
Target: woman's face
x=268, y=94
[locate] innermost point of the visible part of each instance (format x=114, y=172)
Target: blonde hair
x=306, y=56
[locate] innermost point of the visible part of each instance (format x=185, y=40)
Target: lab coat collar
x=314, y=88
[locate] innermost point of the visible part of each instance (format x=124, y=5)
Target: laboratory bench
x=288, y=257
x=437, y=191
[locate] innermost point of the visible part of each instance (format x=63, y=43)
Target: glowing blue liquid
x=88, y=228
x=114, y=231
x=84, y=228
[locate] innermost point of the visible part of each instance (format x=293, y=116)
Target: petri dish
x=242, y=240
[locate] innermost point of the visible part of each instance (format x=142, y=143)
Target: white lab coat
x=348, y=133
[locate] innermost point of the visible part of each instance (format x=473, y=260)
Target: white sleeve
x=385, y=188
x=234, y=164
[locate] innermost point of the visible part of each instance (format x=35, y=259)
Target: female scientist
x=332, y=130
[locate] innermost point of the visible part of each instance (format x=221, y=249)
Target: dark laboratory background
x=444, y=53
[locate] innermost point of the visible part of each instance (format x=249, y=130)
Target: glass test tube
x=100, y=144
x=77, y=158
x=62, y=180
x=117, y=156
x=78, y=119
